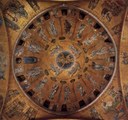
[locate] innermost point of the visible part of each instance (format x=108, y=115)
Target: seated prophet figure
x=18, y=9
x=33, y=4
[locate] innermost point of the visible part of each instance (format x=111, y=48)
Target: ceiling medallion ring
x=76, y=65
x=65, y=60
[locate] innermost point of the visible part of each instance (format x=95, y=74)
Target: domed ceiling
x=63, y=58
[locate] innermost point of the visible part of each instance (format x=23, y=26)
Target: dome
x=64, y=59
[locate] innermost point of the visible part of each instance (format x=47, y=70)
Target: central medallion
x=65, y=60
